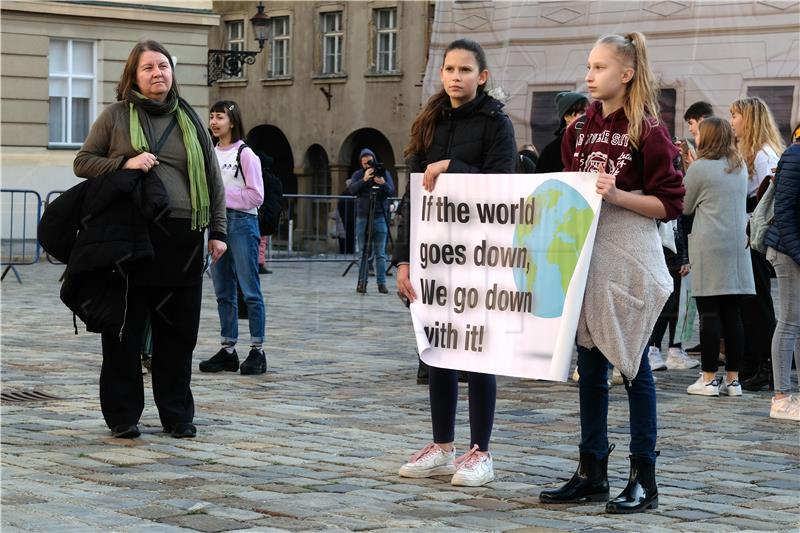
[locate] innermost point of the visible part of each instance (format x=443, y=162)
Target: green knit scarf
x=198, y=186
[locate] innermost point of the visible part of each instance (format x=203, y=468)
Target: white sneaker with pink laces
x=473, y=469
x=432, y=460
x=787, y=408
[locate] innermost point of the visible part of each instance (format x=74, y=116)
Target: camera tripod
x=366, y=249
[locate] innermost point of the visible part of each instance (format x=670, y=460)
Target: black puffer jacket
x=550, y=158
x=100, y=228
x=477, y=138
x=784, y=233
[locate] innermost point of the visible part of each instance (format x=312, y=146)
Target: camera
x=378, y=170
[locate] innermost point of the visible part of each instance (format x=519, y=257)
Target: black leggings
x=719, y=313
x=443, y=387
x=669, y=315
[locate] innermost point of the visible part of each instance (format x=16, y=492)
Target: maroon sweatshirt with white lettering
x=602, y=145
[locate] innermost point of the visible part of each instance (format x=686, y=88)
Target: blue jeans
x=239, y=264
x=593, y=385
x=379, y=233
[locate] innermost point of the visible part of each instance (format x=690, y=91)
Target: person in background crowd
x=372, y=177
x=694, y=115
x=527, y=158
x=783, y=251
x=569, y=106
x=678, y=266
x=759, y=143
x=716, y=190
x=244, y=192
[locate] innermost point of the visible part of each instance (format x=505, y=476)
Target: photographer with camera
x=373, y=185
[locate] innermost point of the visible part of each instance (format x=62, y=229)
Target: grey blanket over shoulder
x=627, y=286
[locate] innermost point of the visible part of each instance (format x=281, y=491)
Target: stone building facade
x=60, y=65
x=712, y=51
x=334, y=77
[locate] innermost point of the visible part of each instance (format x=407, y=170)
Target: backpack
x=269, y=212
x=761, y=220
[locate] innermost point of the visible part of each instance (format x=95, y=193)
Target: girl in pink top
x=244, y=192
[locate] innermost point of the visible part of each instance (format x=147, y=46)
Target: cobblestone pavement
x=315, y=443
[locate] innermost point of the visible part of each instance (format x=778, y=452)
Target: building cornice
x=114, y=10
x=661, y=29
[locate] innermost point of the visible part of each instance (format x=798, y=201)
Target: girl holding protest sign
x=461, y=130
x=622, y=140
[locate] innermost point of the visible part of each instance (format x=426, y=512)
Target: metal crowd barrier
x=313, y=228
x=21, y=211
x=307, y=231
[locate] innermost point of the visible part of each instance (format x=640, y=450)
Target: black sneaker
x=125, y=431
x=256, y=363
x=222, y=360
x=361, y=288
x=382, y=288
x=182, y=430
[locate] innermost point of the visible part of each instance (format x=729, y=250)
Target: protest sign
x=499, y=265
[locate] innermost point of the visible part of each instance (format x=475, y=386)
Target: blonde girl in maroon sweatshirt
x=621, y=139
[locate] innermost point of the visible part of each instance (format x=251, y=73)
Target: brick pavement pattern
x=315, y=444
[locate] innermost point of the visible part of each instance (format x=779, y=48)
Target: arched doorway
x=367, y=138
x=271, y=141
x=317, y=168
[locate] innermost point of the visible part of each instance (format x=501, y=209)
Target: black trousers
x=175, y=317
x=669, y=315
x=758, y=315
x=718, y=313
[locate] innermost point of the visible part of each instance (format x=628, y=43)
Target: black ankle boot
x=422, y=373
x=589, y=483
x=762, y=378
x=641, y=492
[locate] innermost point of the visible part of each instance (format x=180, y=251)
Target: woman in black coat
x=461, y=130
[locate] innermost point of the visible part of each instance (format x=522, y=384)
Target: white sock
x=229, y=348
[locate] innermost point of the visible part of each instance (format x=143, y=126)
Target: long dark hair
x=231, y=108
x=424, y=125
x=128, y=79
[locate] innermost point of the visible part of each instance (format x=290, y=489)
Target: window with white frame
x=234, y=35
x=234, y=39
x=386, y=40
x=279, y=53
x=332, y=40
x=71, y=90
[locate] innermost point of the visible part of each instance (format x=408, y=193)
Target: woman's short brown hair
x=128, y=79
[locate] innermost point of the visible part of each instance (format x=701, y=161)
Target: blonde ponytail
x=641, y=93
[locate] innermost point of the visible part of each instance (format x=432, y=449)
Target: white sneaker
x=704, y=388
x=731, y=389
x=473, y=469
x=787, y=408
x=656, y=362
x=431, y=460
x=575, y=375
x=678, y=359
